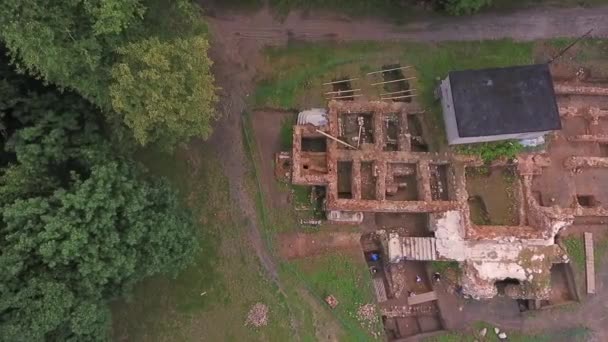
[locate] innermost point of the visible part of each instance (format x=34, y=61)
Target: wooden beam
x=387, y=70
x=342, y=91
x=398, y=97
x=422, y=298
x=398, y=92
x=393, y=81
x=336, y=139
x=589, y=263
x=341, y=81
x=343, y=97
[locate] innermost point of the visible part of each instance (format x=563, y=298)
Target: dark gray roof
x=508, y=100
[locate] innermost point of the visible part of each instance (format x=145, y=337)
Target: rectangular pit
x=342, y=89
x=313, y=163
x=314, y=144
x=416, y=225
x=400, y=327
x=356, y=129
x=368, y=181
x=603, y=150
x=493, y=195
x=574, y=126
x=402, y=182
x=587, y=201
x=588, y=184
x=563, y=289
x=345, y=179
x=439, y=182
x=392, y=130
x=396, y=89
x=415, y=129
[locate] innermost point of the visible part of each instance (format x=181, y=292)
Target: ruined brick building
x=369, y=161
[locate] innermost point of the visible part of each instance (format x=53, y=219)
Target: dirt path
x=531, y=24
x=235, y=81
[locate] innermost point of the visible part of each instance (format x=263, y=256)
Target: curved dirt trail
x=235, y=82
x=236, y=44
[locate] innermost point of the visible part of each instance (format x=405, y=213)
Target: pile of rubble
x=257, y=316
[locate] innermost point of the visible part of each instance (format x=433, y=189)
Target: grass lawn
x=576, y=250
x=209, y=301
x=347, y=278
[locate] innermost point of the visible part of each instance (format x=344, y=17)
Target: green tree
x=75, y=44
x=79, y=224
x=68, y=43
x=87, y=243
x=165, y=90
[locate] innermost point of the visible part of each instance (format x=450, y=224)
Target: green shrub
x=286, y=133
x=576, y=250
x=445, y=266
x=463, y=7
x=491, y=151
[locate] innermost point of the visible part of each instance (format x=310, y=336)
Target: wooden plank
x=398, y=97
x=422, y=298
x=398, y=92
x=590, y=263
x=343, y=97
x=380, y=289
x=393, y=81
x=341, y=81
x=343, y=91
x=387, y=70
x=336, y=139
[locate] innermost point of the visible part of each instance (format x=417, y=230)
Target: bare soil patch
x=299, y=245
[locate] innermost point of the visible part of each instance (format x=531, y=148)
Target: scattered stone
x=483, y=332
x=331, y=301
x=257, y=316
x=367, y=313
x=496, y=331
x=502, y=335
x=368, y=318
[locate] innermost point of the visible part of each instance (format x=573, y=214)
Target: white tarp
x=313, y=116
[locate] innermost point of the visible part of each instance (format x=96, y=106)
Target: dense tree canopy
x=79, y=224
x=163, y=89
x=68, y=43
x=75, y=45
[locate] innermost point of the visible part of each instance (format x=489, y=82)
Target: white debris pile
x=501, y=334
x=257, y=316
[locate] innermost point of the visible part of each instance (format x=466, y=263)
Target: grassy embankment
x=208, y=301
